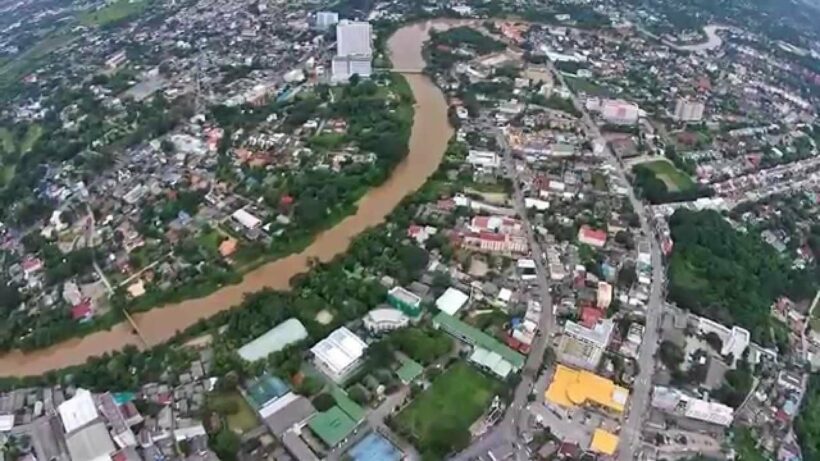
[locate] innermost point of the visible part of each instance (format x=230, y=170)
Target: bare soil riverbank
x=428, y=141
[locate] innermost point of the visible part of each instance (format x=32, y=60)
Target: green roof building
x=332, y=426
x=491, y=353
x=337, y=423
x=405, y=301
x=347, y=404
x=409, y=371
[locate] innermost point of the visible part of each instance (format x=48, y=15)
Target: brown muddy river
x=428, y=142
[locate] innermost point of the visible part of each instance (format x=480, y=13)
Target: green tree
x=225, y=444
x=324, y=402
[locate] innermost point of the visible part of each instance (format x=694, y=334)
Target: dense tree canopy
x=732, y=277
x=807, y=424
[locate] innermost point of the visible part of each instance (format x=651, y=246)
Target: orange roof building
x=227, y=247
x=576, y=388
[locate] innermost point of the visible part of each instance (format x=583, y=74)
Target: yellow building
x=604, y=442
x=575, y=388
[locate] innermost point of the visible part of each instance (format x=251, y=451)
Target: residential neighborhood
x=363, y=231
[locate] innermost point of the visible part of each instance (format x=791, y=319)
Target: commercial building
x=583, y=347
x=354, y=50
x=644, y=254
x=277, y=338
x=452, y=301
x=484, y=160
x=571, y=388
x=633, y=340
x=92, y=443
x=688, y=111
x=620, y=112
x=339, y=354
x=78, y=411
x=524, y=330
x=326, y=19
x=286, y=412
x=385, y=319
x=404, y=300
x=604, y=298
x=735, y=340
x=604, y=442
x=675, y=402
x=354, y=38
x=488, y=352
x=614, y=111
x=344, y=67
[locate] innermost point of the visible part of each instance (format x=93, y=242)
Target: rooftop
x=351, y=408
x=265, y=389
x=277, y=338
x=90, y=444
x=405, y=296
x=572, y=388
x=452, y=301
x=339, y=350
x=78, y=411
x=374, y=447
x=409, y=370
x=604, y=442
x=332, y=426
x=479, y=338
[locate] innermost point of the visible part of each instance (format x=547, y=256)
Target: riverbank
x=428, y=142
x=713, y=40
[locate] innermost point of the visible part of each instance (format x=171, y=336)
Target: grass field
x=460, y=395
x=244, y=419
x=10, y=145
x=211, y=240
x=674, y=179
x=114, y=12
x=32, y=135
x=29, y=59
x=7, y=174
x=7, y=140
x=578, y=85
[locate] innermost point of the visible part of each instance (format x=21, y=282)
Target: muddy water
x=428, y=142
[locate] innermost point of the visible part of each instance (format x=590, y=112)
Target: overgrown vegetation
x=379, y=120
x=807, y=424
x=731, y=277
x=661, y=182
x=438, y=420
x=447, y=48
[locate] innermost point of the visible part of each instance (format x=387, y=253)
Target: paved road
x=516, y=418
x=639, y=396
x=89, y=242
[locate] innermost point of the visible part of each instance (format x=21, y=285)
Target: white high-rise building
x=345, y=66
x=354, y=38
x=326, y=19
x=689, y=111
x=354, y=50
